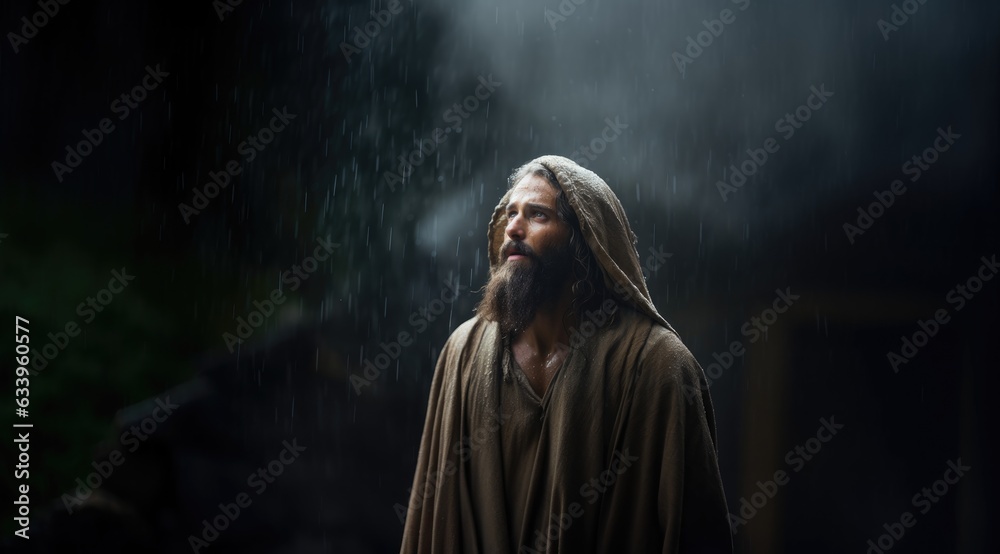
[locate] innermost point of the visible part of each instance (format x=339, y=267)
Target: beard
x=515, y=290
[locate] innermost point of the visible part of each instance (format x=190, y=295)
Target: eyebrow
x=530, y=205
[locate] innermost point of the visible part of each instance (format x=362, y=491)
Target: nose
x=515, y=228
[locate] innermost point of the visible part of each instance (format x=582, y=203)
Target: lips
x=515, y=251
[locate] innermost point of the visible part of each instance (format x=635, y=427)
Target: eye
x=538, y=213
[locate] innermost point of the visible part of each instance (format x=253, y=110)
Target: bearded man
x=567, y=415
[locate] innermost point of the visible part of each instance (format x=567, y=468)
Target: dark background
x=323, y=176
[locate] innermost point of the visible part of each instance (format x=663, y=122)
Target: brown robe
x=618, y=456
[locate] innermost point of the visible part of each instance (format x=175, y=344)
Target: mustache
x=511, y=247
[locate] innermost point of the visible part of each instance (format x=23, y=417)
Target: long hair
x=589, y=290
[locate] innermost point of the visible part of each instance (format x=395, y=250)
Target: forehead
x=533, y=189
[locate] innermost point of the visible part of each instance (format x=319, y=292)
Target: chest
x=539, y=369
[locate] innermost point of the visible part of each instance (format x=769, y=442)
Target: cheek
x=561, y=233
x=554, y=239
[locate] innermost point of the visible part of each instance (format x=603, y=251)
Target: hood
x=605, y=228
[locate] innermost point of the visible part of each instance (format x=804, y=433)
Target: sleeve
x=432, y=521
x=691, y=507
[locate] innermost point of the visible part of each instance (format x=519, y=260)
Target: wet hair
x=589, y=291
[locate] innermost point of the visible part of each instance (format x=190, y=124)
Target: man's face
x=535, y=259
x=534, y=229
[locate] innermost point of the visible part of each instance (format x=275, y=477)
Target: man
x=562, y=417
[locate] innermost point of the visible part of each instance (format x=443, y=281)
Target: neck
x=549, y=328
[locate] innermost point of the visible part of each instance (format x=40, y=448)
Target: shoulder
x=465, y=337
x=670, y=380
x=665, y=362
x=666, y=343
x=461, y=335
